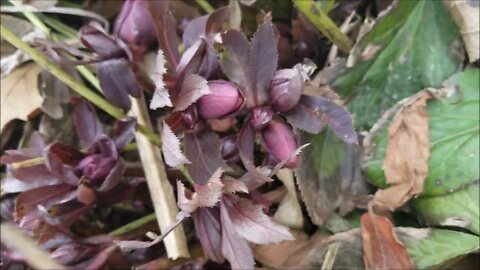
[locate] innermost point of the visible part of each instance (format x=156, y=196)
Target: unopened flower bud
x=229, y=149
x=134, y=25
x=285, y=89
x=96, y=167
x=281, y=142
x=224, y=100
x=261, y=116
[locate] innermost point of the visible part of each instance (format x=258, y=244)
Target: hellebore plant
x=66, y=178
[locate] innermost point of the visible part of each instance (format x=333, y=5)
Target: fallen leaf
x=381, y=248
x=406, y=157
x=171, y=148
x=20, y=96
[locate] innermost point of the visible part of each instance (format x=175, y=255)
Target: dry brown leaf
x=465, y=14
x=381, y=248
x=406, y=156
x=20, y=95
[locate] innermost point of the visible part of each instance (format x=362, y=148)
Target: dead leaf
x=406, y=156
x=20, y=95
x=161, y=97
x=381, y=248
x=466, y=16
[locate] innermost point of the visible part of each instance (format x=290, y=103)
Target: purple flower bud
x=229, y=149
x=134, y=25
x=261, y=116
x=96, y=167
x=285, y=89
x=224, y=100
x=281, y=142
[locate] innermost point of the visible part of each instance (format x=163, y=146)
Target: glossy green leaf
x=459, y=208
x=415, y=46
x=429, y=248
x=454, y=140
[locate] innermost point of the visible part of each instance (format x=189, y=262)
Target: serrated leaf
x=329, y=176
x=161, y=97
x=396, y=59
x=234, y=247
x=250, y=222
x=194, y=87
x=171, y=148
x=209, y=231
x=207, y=195
x=234, y=60
x=263, y=61
x=203, y=150
x=313, y=113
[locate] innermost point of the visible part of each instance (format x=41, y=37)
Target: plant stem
x=71, y=82
x=161, y=191
x=324, y=24
x=133, y=225
x=205, y=5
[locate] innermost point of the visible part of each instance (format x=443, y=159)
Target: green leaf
x=458, y=208
x=454, y=140
x=329, y=176
x=415, y=46
x=432, y=247
x=450, y=195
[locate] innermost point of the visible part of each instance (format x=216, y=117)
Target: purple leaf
x=208, y=230
x=100, y=259
x=45, y=196
x=234, y=61
x=86, y=123
x=161, y=97
x=313, y=113
x=245, y=143
x=71, y=253
x=215, y=21
x=194, y=31
x=28, y=174
x=200, y=58
x=55, y=164
x=194, y=87
x=203, y=150
x=250, y=222
x=263, y=61
x=171, y=148
x=114, y=177
x=98, y=41
x=256, y=177
x=118, y=81
x=234, y=247
x=165, y=25
x=67, y=154
x=125, y=132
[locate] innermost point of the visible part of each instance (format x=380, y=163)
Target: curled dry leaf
x=171, y=148
x=193, y=88
x=20, y=96
x=406, y=157
x=381, y=248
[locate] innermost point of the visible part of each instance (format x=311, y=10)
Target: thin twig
x=324, y=24
x=161, y=190
x=17, y=241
